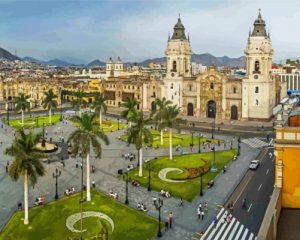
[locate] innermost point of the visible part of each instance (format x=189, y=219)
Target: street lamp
x=192, y=135
x=118, y=123
x=7, y=113
x=43, y=140
x=126, y=187
x=149, y=174
x=158, y=204
x=201, y=174
x=56, y=175
x=239, y=141
x=214, y=167
x=199, y=142
x=61, y=101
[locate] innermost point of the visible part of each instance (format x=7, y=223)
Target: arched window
x=174, y=66
x=171, y=85
x=190, y=87
x=211, y=85
x=234, y=90
x=256, y=102
x=256, y=66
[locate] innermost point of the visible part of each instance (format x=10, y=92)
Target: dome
x=179, y=31
x=259, y=29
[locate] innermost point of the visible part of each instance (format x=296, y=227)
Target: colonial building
x=34, y=87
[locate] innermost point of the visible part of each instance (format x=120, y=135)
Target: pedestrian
x=166, y=225
x=7, y=163
x=200, y=206
x=93, y=184
x=181, y=202
x=19, y=206
x=6, y=169
x=62, y=162
x=170, y=219
x=215, y=221
x=244, y=203
x=198, y=212
x=205, y=207
x=202, y=215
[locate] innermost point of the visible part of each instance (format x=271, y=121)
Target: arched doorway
x=153, y=106
x=211, y=109
x=234, y=112
x=190, y=109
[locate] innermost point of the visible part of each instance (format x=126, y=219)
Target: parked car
x=254, y=164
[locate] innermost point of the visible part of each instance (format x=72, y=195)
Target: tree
x=85, y=139
x=78, y=101
x=171, y=120
x=21, y=104
x=130, y=110
x=27, y=162
x=50, y=101
x=139, y=135
x=100, y=105
x=162, y=104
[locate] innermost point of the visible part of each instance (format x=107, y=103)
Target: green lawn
x=183, y=140
x=49, y=221
x=108, y=125
x=33, y=122
x=191, y=187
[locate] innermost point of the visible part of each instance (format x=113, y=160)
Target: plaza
x=106, y=178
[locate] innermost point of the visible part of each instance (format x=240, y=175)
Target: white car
x=254, y=164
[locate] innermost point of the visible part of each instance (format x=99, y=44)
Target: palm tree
x=130, y=110
x=27, y=162
x=171, y=120
x=22, y=103
x=162, y=104
x=85, y=139
x=78, y=101
x=99, y=105
x=139, y=135
x=50, y=101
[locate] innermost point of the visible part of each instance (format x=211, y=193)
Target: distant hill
x=4, y=54
x=59, y=63
x=205, y=59
x=96, y=63
x=33, y=60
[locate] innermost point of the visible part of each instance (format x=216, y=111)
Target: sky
x=81, y=31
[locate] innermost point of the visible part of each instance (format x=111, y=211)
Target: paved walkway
x=186, y=222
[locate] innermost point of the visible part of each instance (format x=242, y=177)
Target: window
x=153, y=87
x=256, y=66
x=256, y=102
x=174, y=66
x=171, y=85
x=172, y=97
x=211, y=85
x=234, y=90
x=190, y=87
x=256, y=89
x=153, y=95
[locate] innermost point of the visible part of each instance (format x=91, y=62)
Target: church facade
x=215, y=94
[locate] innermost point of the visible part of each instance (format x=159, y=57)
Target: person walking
x=198, y=212
x=181, y=202
x=170, y=219
x=244, y=203
x=202, y=215
x=215, y=221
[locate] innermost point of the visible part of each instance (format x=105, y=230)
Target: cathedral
x=215, y=94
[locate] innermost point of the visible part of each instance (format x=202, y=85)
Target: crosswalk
x=227, y=231
x=255, y=142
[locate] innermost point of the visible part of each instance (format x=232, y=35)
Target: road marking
x=249, y=207
x=242, y=191
x=251, y=236
x=245, y=234
x=259, y=187
x=237, y=237
x=234, y=230
x=267, y=171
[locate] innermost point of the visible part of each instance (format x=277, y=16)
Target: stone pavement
x=186, y=222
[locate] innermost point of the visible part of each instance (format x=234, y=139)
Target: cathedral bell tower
x=179, y=57
x=258, y=94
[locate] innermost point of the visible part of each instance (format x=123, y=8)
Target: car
x=254, y=164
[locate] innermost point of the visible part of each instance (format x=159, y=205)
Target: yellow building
x=287, y=160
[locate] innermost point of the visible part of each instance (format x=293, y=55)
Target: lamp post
x=149, y=175
x=61, y=100
x=126, y=187
x=43, y=140
x=118, y=123
x=199, y=142
x=201, y=187
x=239, y=140
x=192, y=135
x=214, y=167
x=158, y=204
x=7, y=113
x=56, y=175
